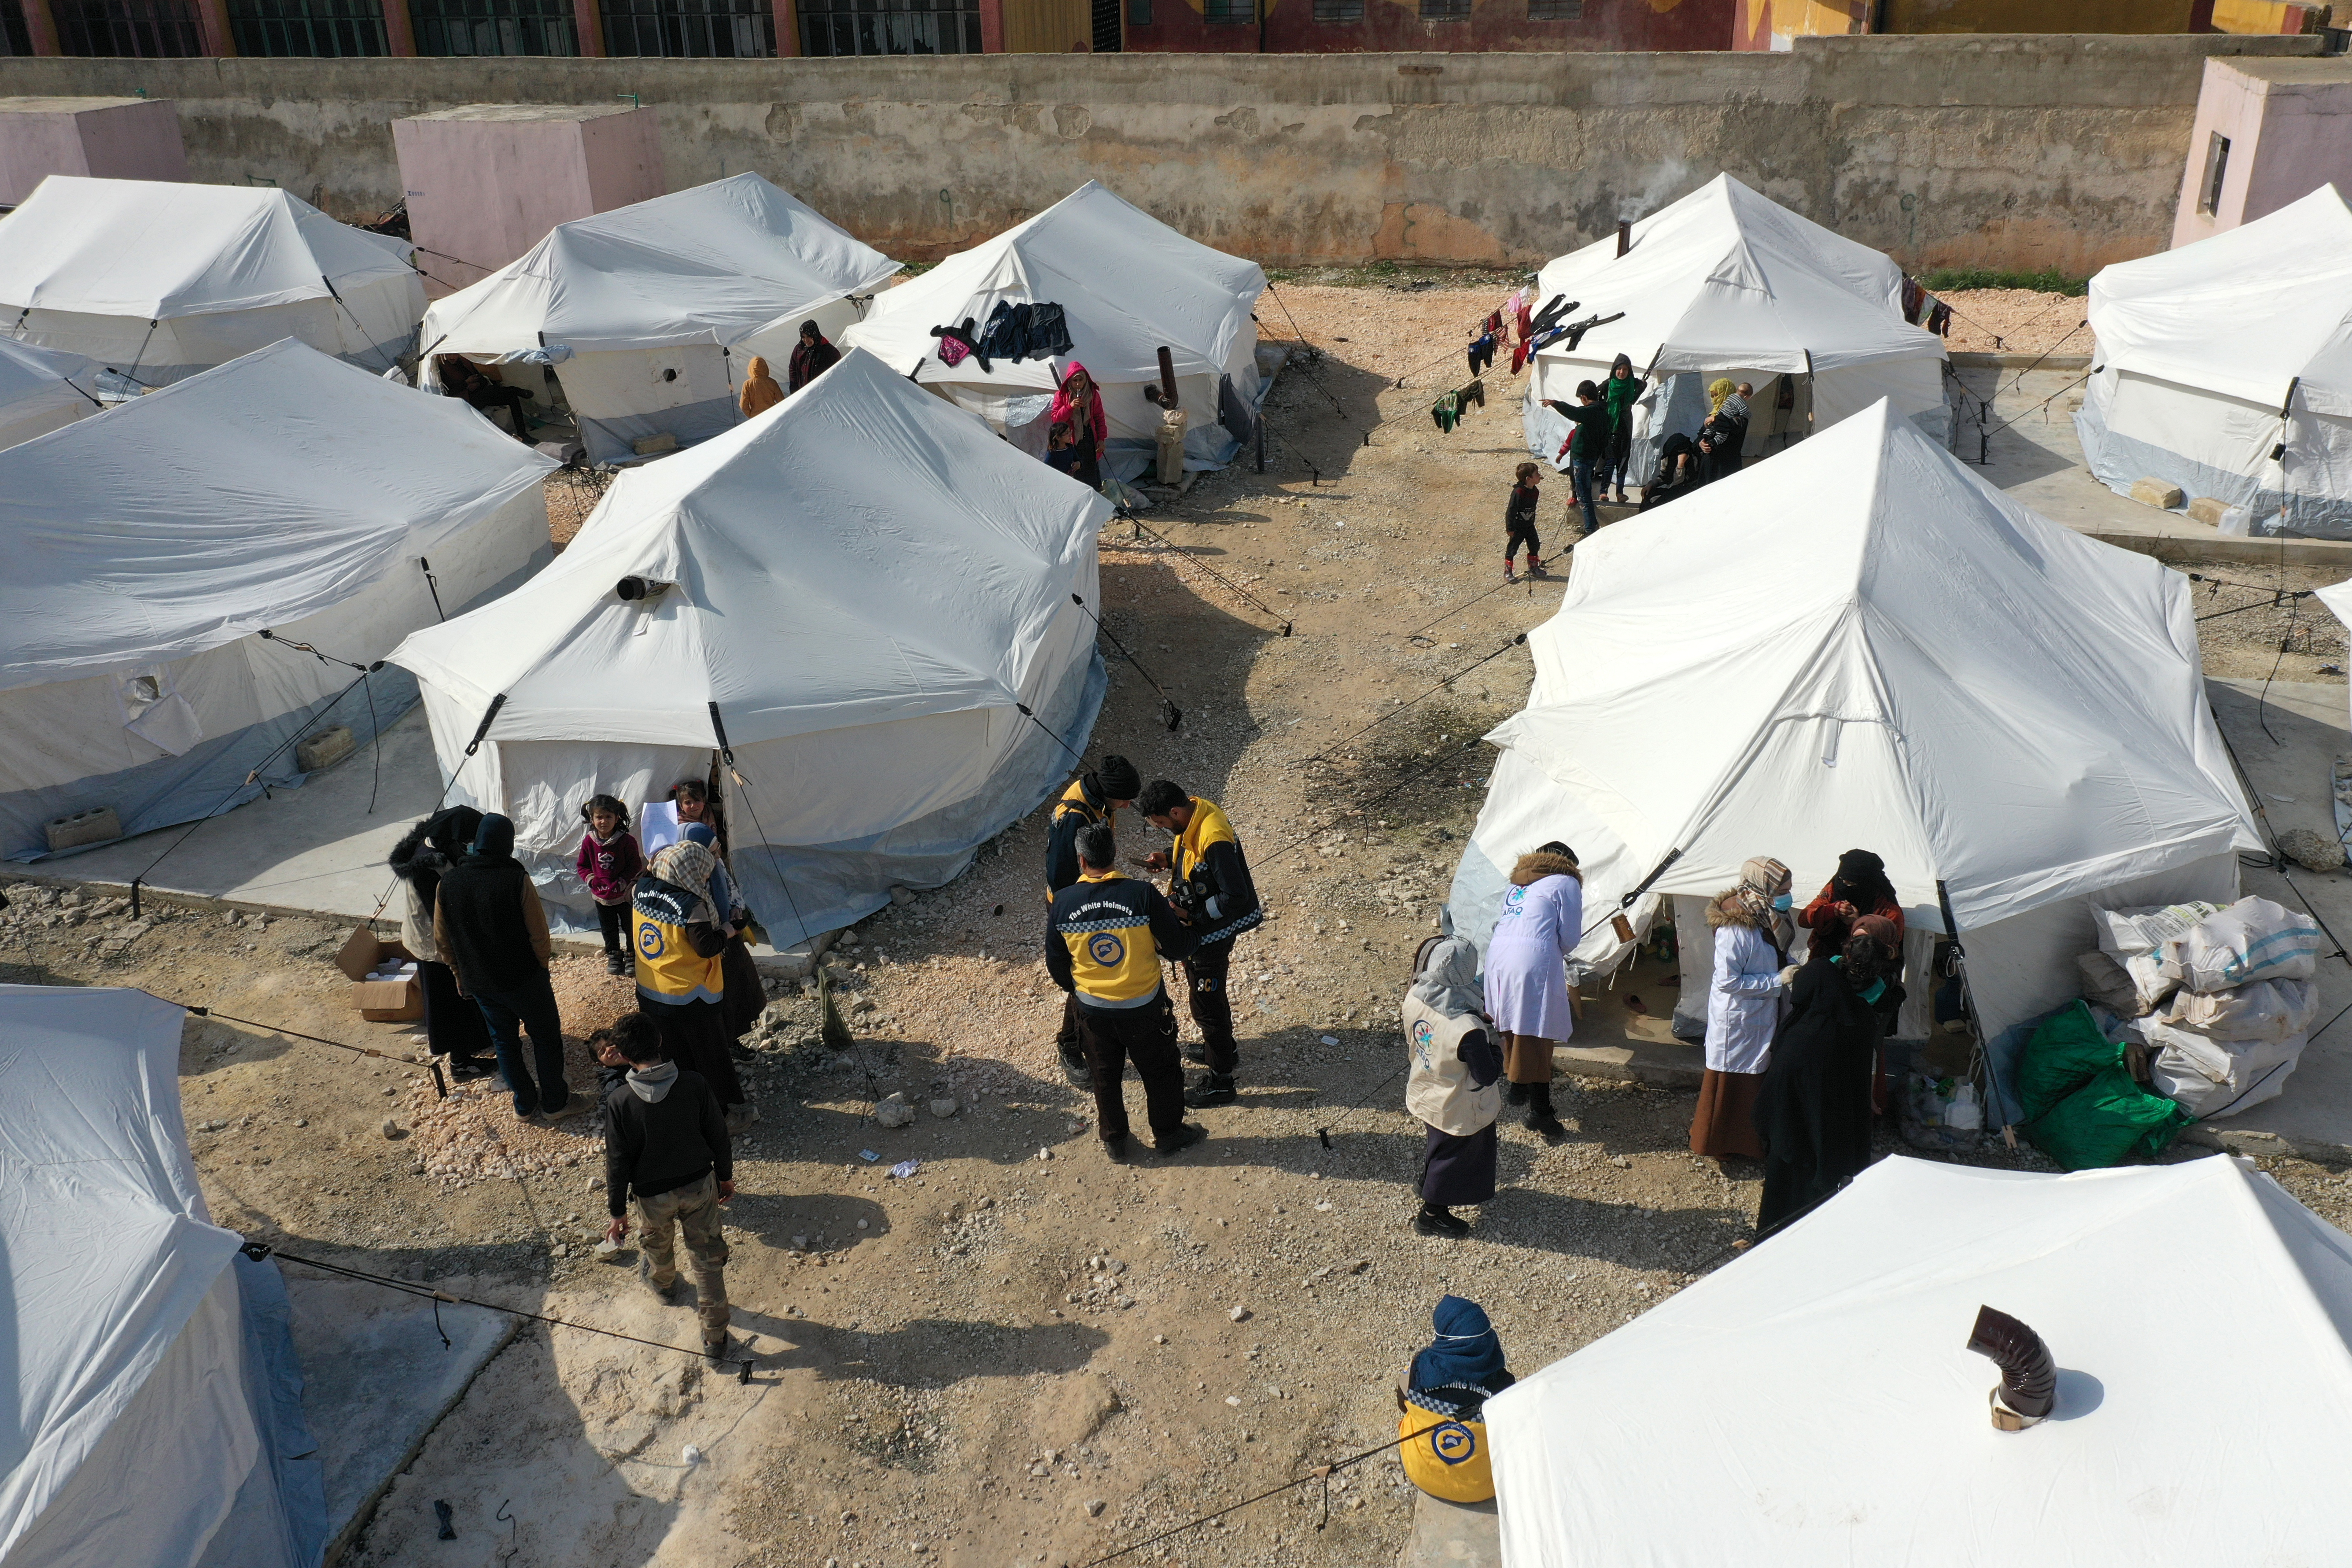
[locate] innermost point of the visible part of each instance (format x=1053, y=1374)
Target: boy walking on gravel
x=666, y=1143
x=1519, y=521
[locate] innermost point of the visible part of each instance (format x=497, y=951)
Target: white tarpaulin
x=1727, y=282
x=863, y=581
x=155, y=1401
x=1812, y=1404
x=1129, y=286
x=2225, y=367
x=41, y=390
x=147, y=549
x=694, y=284
x=157, y=280
x=1860, y=644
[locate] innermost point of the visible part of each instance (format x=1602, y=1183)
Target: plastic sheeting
x=1860, y=643
x=1812, y=1404
x=2215, y=355
x=864, y=580
x=159, y=281
x=158, y=1415
x=42, y=390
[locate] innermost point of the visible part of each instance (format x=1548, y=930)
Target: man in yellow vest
x=1210, y=887
x=1092, y=797
x=1104, y=936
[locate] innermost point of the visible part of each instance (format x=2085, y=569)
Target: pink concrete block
x=2288, y=126
x=112, y=138
x=486, y=182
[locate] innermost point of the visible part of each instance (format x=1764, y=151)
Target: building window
x=15, y=37
x=691, y=29
x=494, y=26
x=1233, y=12
x=310, y=29
x=1555, y=10
x=140, y=29
x=1444, y=10
x=1339, y=10
x=1139, y=13
x=1105, y=19
x=890, y=26
x=2217, y=165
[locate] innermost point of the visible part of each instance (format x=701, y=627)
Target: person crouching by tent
x=1682, y=469
x=681, y=981
x=1454, y=1085
x=1527, y=983
x=1077, y=403
x=490, y=929
x=1725, y=430
x=453, y=1025
x=1621, y=392
x=1444, y=1433
x=1812, y=1112
x=1743, y=1010
x=812, y=357
x=462, y=378
x=759, y=392
x=1519, y=521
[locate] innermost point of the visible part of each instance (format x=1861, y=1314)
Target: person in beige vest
x=1454, y=1085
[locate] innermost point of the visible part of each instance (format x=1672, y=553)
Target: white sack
x=2124, y=932
x=2264, y=1010
x=2253, y=939
x=2210, y=1078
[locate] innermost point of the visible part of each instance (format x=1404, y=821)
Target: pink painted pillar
x=212, y=19
x=41, y=26
x=991, y=26
x=788, y=28
x=588, y=21
x=399, y=31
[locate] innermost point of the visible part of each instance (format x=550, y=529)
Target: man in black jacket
x=666, y=1144
x=491, y=930
x=1211, y=888
x=1093, y=797
x=1104, y=936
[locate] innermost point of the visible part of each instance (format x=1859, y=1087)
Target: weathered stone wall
x=2021, y=151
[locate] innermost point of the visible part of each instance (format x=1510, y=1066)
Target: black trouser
x=1146, y=1035
x=508, y=1011
x=1212, y=1005
x=1071, y=1039
x=1527, y=536
x=612, y=920
x=695, y=1035
x=1621, y=452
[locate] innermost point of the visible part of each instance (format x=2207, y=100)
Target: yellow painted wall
x=1046, y=26
x=2035, y=16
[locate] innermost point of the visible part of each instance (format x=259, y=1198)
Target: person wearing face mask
x=1743, y=1009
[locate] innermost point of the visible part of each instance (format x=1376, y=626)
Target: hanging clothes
x=1446, y=411
x=1465, y=396
x=1482, y=353
x=1914, y=300
x=1939, y=318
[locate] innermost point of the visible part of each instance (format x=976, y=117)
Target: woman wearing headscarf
x=1858, y=887
x=1725, y=430
x=1454, y=1087
x=453, y=1025
x=812, y=357
x=1527, y=978
x=490, y=929
x=1079, y=401
x=1814, y=1110
x=1623, y=389
x=681, y=978
x=1743, y=1010
x=760, y=391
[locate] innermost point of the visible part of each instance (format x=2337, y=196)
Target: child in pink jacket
x=610, y=863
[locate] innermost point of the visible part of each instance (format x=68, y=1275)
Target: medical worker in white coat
x=1743, y=1008
x=1526, y=977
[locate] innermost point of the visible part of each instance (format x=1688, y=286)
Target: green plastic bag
x=2083, y=1109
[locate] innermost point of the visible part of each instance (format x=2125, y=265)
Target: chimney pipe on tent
x=2028, y=1377
x=1624, y=236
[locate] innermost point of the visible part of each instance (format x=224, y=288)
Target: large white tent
x=157, y=280
x=148, y=550
x=1726, y=282
x=649, y=313
x=42, y=390
x=861, y=586
x=1812, y=1404
x=1860, y=643
x=156, y=1403
x=2225, y=367
x=1129, y=286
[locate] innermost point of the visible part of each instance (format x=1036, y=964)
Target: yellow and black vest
x=668, y=968
x=1223, y=893
x=1104, y=925
x=1071, y=812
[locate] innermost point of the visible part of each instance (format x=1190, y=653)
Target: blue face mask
x=1784, y=903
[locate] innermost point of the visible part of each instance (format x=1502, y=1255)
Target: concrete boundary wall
x=2013, y=151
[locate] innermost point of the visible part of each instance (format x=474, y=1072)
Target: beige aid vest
x=1439, y=1091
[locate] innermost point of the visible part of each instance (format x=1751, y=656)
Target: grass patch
x=1952, y=279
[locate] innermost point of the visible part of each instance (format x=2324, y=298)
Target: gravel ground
x=957, y=1366
x=2018, y=320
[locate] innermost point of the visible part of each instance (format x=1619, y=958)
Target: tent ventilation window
x=2216, y=167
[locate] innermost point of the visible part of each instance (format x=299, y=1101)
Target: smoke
x=1665, y=181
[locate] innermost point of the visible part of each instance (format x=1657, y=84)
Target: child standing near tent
x=1453, y=1088
x=1587, y=446
x=610, y=863
x=1623, y=388
x=1519, y=522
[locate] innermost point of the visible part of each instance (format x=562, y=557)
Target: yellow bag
x=1444, y=1454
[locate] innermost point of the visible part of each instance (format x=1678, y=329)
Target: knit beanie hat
x=1119, y=778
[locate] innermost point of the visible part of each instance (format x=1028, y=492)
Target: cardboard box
x=378, y=1001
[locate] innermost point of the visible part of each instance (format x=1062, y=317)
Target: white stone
x=1239, y=1314
x=943, y=1109
x=893, y=1111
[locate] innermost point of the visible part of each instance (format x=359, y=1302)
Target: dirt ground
x=1022, y=1353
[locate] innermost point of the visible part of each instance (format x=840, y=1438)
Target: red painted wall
x=1290, y=27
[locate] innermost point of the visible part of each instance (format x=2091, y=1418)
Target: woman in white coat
x=1743, y=1009
x=1527, y=976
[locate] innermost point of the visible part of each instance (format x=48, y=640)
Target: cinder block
x=2208, y=510
x=2157, y=492
x=98, y=824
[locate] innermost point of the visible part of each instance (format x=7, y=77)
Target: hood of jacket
x=653, y=1084
x=1536, y=864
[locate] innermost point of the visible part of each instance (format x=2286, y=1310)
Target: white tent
x=1812, y=1404
x=41, y=390
x=649, y=312
x=1861, y=644
x=2226, y=368
x=1129, y=286
x=859, y=586
x=157, y=280
x=149, y=550
x=156, y=1403
x=1726, y=282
